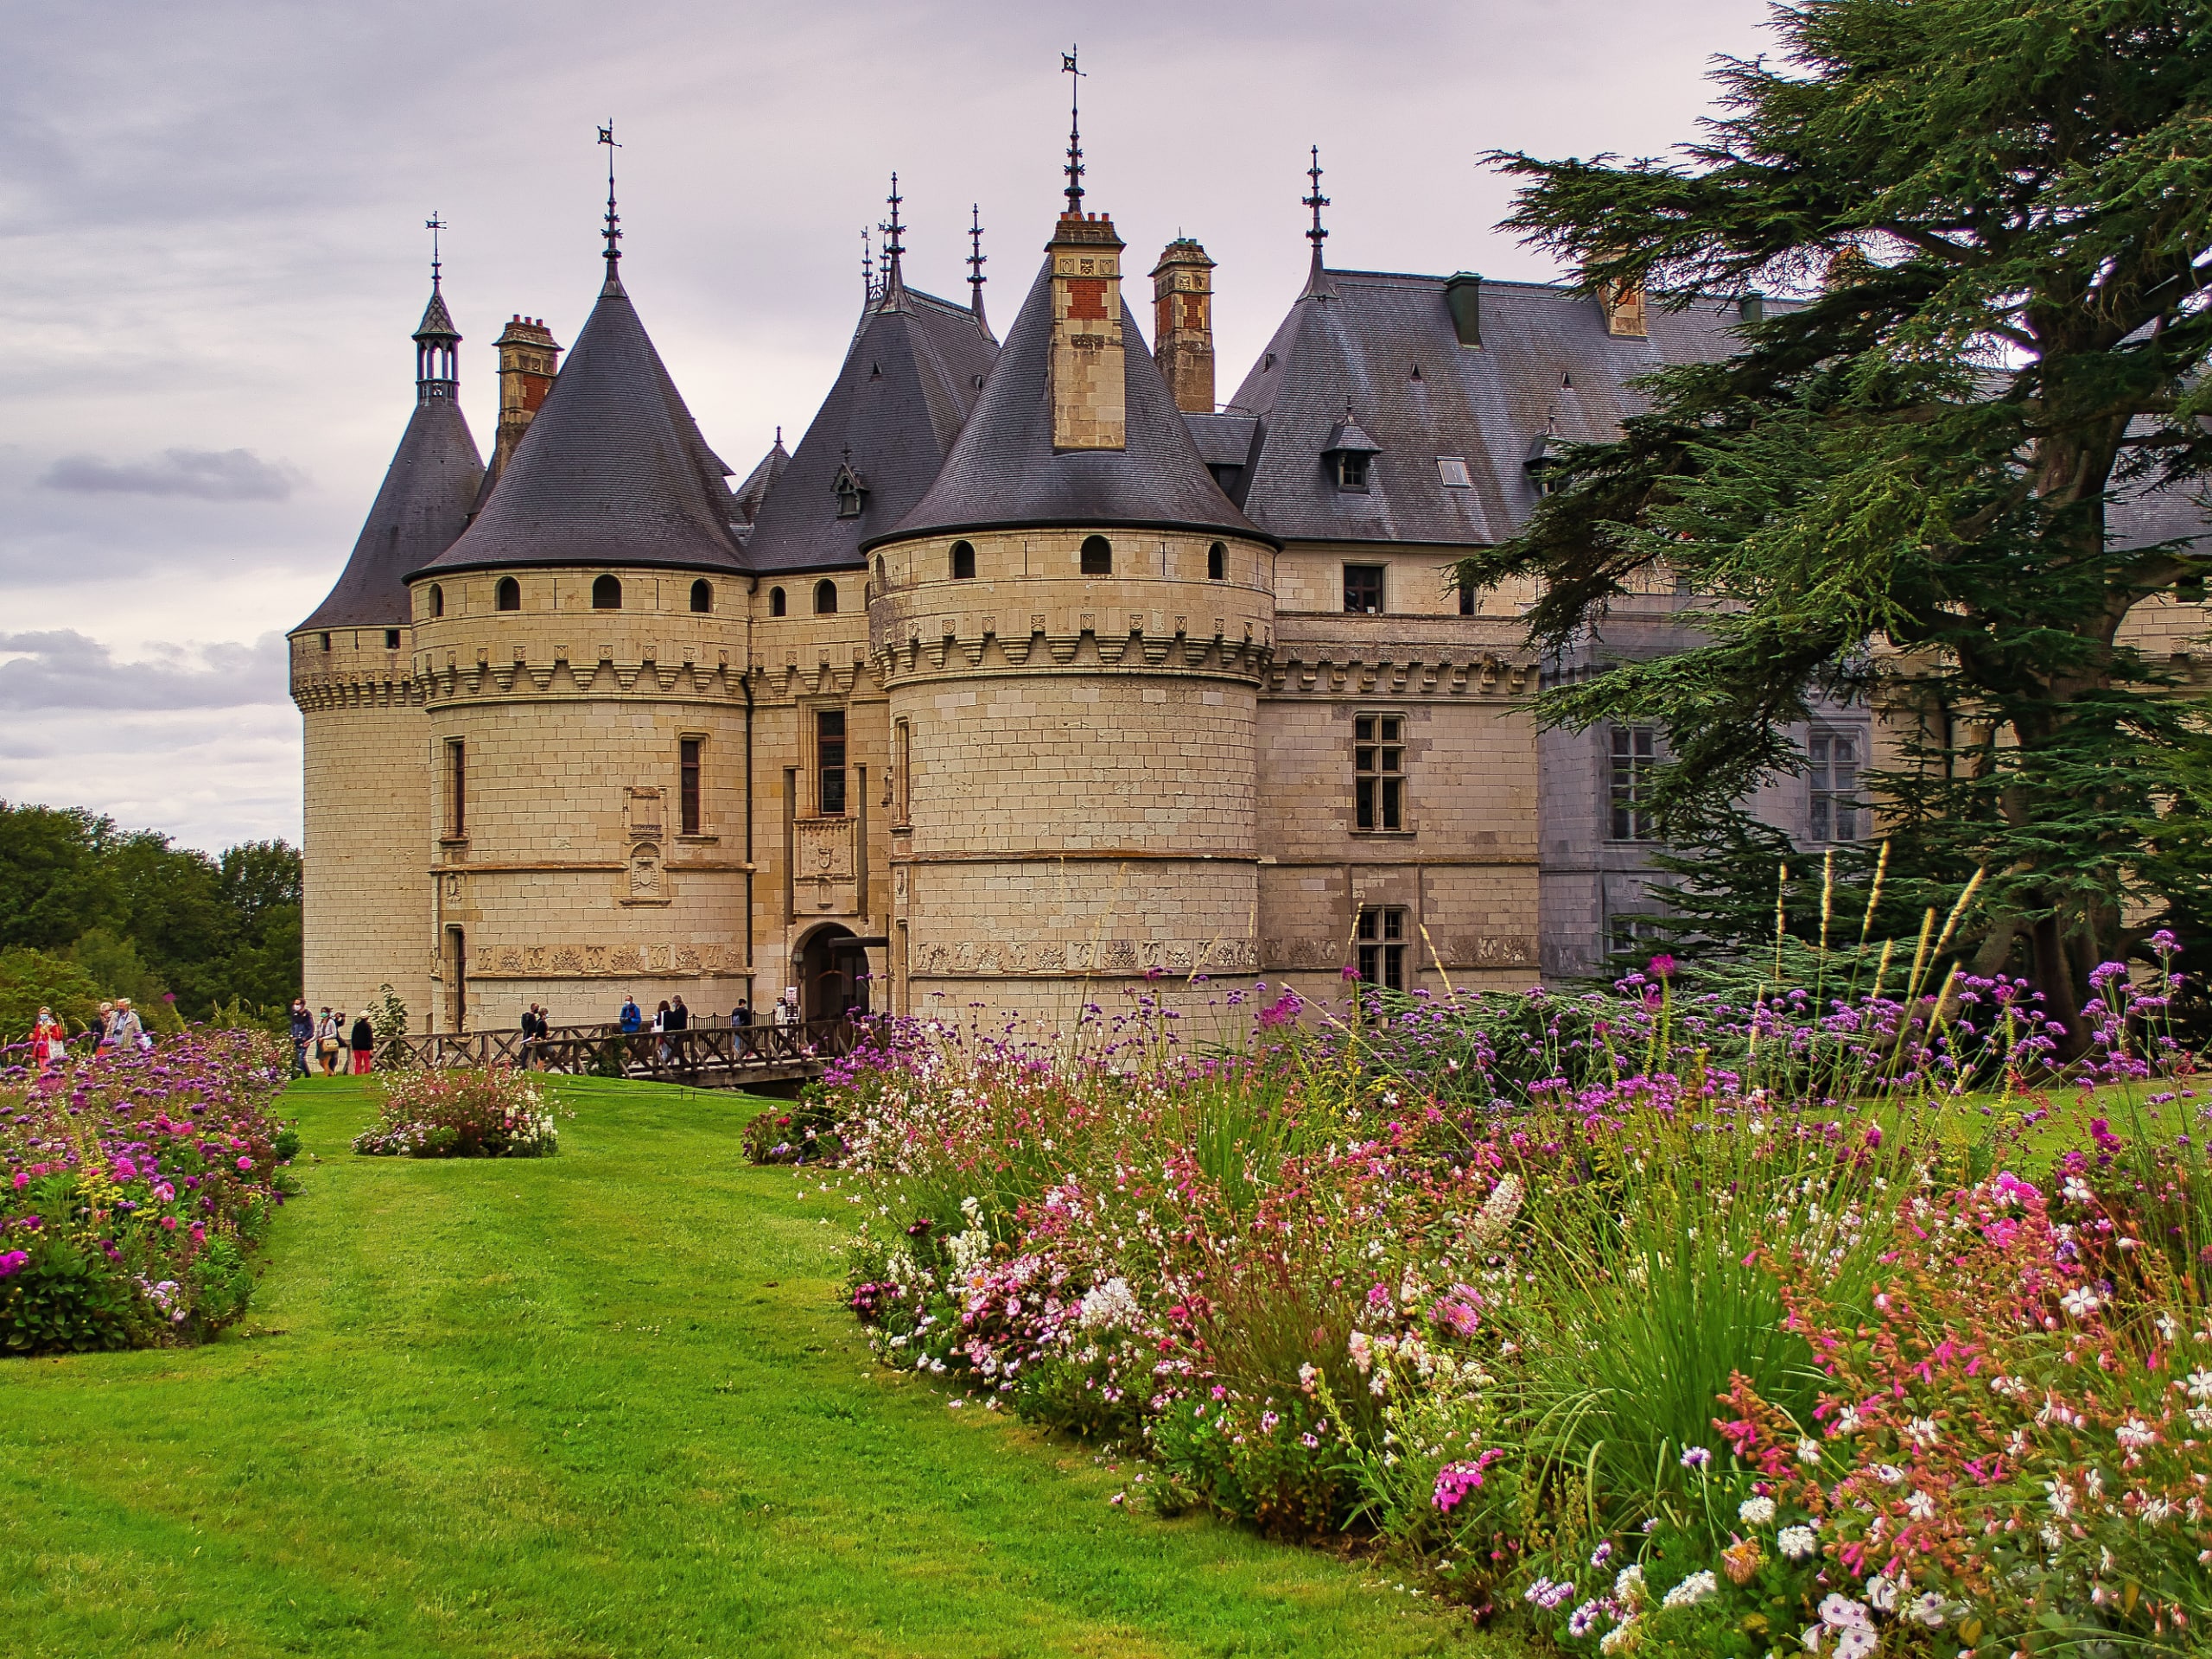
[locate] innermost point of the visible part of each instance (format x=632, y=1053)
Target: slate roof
x=915, y=368
x=1359, y=335
x=437, y=321
x=613, y=470
x=1003, y=474
x=1222, y=440
x=422, y=507
x=748, y=496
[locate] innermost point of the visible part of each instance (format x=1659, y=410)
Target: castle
x=1030, y=675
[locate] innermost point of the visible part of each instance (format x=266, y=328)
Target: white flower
x=1847, y=1422
x=2079, y=1302
x=2077, y=1191
x=1920, y=1506
x=1922, y=1430
x=1882, y=1591
x=1496, y=1217
x=1854, y=1643
x=1797, y=1542
x=1889, y=1474
x=2135, y=1433
x=1691, y=1591
x=2200, y=1419
x=1756, y=1511
x=1110, y=1304
x=1840, y=1612
x=1362, y=1357
x=1809, y=1450
x=2200, y=1385
x=1619, y=1637
x=1628, y=1585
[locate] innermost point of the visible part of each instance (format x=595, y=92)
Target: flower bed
x=134, y=1188
x=1707, y=1327
x=497, y=1112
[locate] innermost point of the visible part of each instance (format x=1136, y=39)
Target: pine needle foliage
x=1902, y=490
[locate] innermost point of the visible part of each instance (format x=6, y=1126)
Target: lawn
x=601, y=1404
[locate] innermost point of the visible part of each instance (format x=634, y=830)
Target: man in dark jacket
x=679, y=1017
x=303, y=1034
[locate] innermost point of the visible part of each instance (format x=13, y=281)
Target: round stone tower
x=1072, y=627
x=581, y=651
x=366, y=775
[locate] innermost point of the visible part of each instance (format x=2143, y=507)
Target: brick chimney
x=1623, y=304
x=528, y=360
x=1090, y=394
x=1182, y=324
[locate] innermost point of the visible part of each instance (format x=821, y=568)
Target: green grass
x=601, y=1404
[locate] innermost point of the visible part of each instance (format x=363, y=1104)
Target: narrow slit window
x=688, y=786
x=1218, y=562
x=1835, y=779
x=963, y=561
x=829, y=762
x=702, y=596
x=1378, y=758
x=825, y=597
x=509, y=594
x=776, y=603
x=437, y=599
x=1382, y=942
x=1635, y=755
x=456, y=789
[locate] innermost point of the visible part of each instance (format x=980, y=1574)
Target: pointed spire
x=1074, y=169
x=893, y=249
x=613, y=233
x=976, y=260
x=437, y=357
x=1316, y=234
x=868, y=268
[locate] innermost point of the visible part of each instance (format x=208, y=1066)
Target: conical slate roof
x=612, y=470
x=437, y=321
x=915, y=369
x=1003, y=474
x=422, y=506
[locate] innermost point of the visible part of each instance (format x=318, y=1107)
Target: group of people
x=116, y=1025
x=672, y=1015
x=338, y=1048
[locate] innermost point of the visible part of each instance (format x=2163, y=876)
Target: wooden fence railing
x=703, y=1054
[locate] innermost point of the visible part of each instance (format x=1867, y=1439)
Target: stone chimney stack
x=1090, y=392
x=1182, y=324
x=1623, y=304
x=527, y=360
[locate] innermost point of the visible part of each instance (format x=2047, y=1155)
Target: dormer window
x=1544, y=462
x=1452, y=472
x=1350, y=453
x=850, y=489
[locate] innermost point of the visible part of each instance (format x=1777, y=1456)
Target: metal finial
x=868, y=267
x=1317, y=201
x=976, y=260
x=613, y=231
x=1074, y=169
x=434, y=225
x=893, y=248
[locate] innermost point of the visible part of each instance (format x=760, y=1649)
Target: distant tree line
x=90, y=912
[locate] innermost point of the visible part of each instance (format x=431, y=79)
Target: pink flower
x=22, y=1180
x=125, y=1170
x=245, y=1163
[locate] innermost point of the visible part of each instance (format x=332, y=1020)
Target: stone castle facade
x=1032, y=675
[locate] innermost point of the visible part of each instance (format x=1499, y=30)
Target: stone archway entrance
x=832, y=974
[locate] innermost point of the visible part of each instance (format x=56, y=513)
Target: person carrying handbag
x=327, y=1044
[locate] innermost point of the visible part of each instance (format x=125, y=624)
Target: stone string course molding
x=1094, y=647
x=609, y=961
x=1034, y=958
x=1296, y=668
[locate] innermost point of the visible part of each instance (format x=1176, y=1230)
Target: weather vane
x=892, y=247
x=1317, y=201
x=1075, y=134
x=613, y=231
x=434, y=225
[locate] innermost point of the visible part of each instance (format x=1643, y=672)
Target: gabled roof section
x=915, y=368
x=1003, y=474
x=1385, y=342
x=612, y=470
x=750, y=495
x=422, y=507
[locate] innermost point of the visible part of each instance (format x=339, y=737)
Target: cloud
x=205, y=475
x=66, y=672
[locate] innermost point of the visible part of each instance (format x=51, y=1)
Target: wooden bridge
x=704, y=1057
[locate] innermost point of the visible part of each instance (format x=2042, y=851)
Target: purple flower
x=1663, y=966
x=1696, y=1457
x=11, y=1262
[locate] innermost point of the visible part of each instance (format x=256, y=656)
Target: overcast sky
x=214, y=225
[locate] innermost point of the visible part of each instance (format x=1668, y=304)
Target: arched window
x=509, y=594
x=437, y=599
x=1097, y=556
x=775, y=601
x=607, y=595
x=963, y=560
x=702, y=596
x=825, y=597
x=882, y=581
x=1218, y=562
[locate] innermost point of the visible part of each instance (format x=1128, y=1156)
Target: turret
x=1182, y=323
